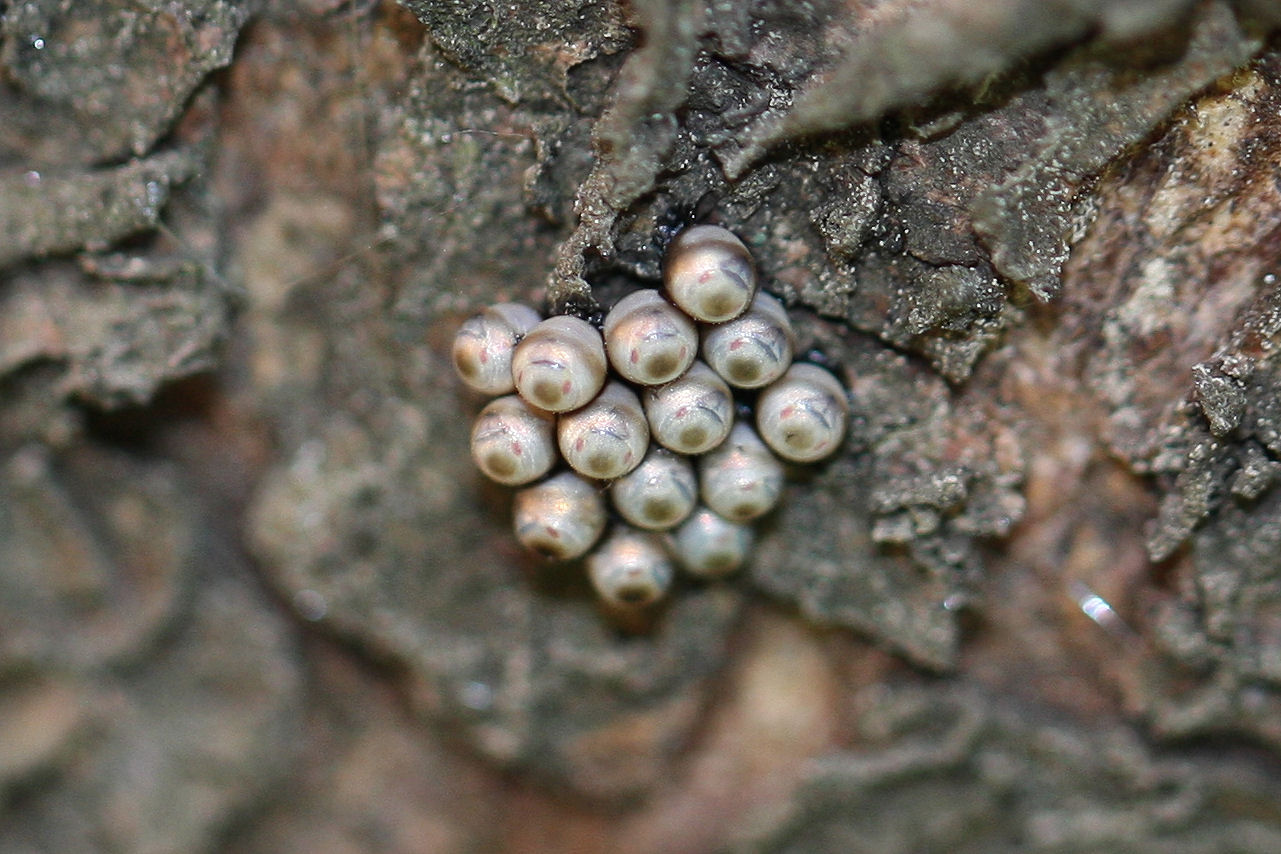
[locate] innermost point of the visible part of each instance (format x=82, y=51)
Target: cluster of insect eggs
x=658, y=434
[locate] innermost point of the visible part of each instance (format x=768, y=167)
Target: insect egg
x=741, y=479
x=754, y=349
x=802, y=415
x=512, y=442
x=710, y=546
x=649, y=340
x=659, y=493
x=630, y=569
x=562, y=517
x=483, y=346
x=709, y=274
x=560, y=364
x=606, y=438
x=692, y=414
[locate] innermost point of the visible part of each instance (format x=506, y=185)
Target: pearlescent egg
x=649, y=340
x=562, y=517
x=659, y=493
x=709, y=274
x=741, y=479
x=754, y=349
x=606, y=438
x=709, y=546
x=560, y=364
x=483, y=347
x=802, y=415
x=690, y=415
x=512, y=442
x=630, y=569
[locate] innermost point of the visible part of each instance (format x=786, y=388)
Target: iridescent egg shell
x=741, y=479
x=709, y=274
x=709, y=546
x=690, y=415
x=562, y=517
x=484, y=344
x=630, y=569
x=649, y=340
x=659, y=493
x=512, y=442
x=802, y=415
x=754, y=349
x=606, y=438
x=560, y=364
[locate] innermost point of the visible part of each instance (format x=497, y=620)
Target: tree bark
x=254, y=597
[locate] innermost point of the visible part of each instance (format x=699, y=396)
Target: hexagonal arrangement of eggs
x=656, y=441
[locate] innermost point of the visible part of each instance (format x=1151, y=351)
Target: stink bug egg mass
x=512, y=442
x=483, y=347
x=709, y=546
x=752, y=350
x=562, y=517
x=802, y=416
x=709, y=274
x=630, y=569
x=635, y=407
x=741, y=479
x=659, y=493
x=560, y=364
x=649, y=341
x=693, y=414
x=606, y=438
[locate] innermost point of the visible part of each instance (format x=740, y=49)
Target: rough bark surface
x=254, y=597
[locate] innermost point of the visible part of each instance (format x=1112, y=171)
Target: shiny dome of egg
x=647, y=415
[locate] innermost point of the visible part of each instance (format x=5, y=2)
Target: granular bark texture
x=954, y=772
x=254, y=596
x=100, y=81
